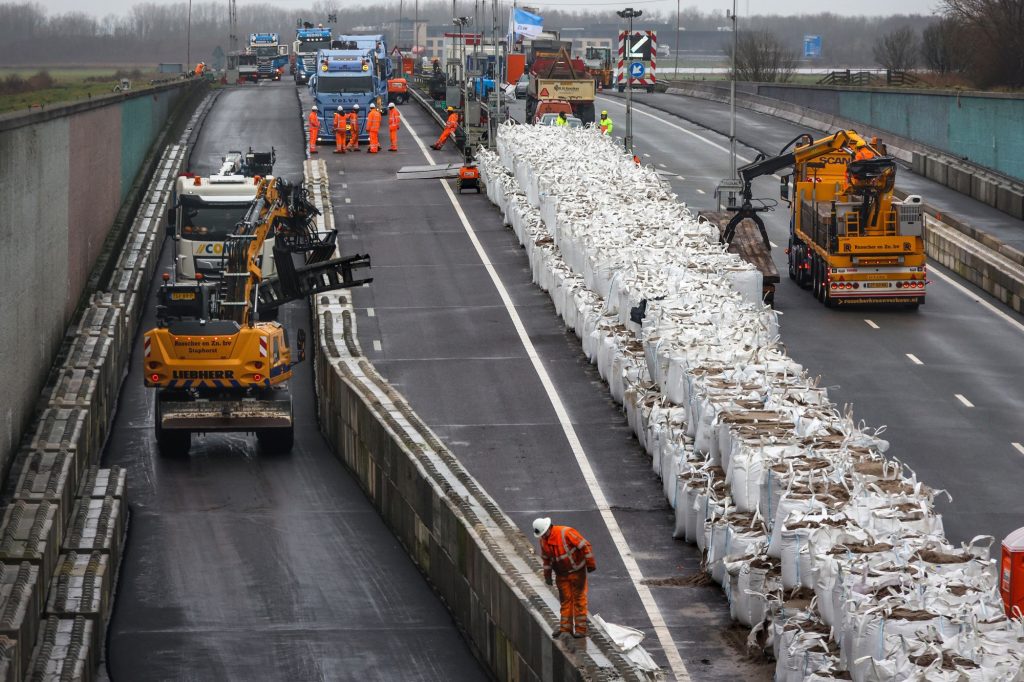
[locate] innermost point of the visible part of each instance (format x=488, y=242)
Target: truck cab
x=345, y=78
x=204, y=212
x=271, y=56
x=308, y=42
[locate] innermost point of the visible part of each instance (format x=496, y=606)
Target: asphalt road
x=953, y=409
x=434, y=324
x=242, y=566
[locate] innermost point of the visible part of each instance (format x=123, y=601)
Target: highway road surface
x=947, y=381
x=453, y=320
x=242, y=566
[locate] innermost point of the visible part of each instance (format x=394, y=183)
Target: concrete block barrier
x=58, y=458
x=19, y=617
x=485, y=571
x=64, y=652
x=10, y=661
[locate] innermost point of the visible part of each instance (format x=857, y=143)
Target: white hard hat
x=355, y=106
x=391, y=105
x=313, y=108
x=372, y=105
x=541, y=526
x=341, y=108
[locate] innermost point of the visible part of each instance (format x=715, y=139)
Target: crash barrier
x=975, y=255
x=830, y=551
x=63, y=529
x=475, y=558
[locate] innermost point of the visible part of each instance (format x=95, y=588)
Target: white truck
x=205, y=211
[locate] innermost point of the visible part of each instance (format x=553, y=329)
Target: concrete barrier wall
x=484, y=569
x=65, y=173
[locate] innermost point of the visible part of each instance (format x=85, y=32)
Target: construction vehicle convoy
x=850, y=241
x=561, y=78
x=214, y=366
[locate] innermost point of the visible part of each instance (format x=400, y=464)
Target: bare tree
x=944, y=48
x=897, y=50
x=995, y=30
x=761, y=58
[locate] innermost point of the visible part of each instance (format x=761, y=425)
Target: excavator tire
x=171, y=443
x=276, y=441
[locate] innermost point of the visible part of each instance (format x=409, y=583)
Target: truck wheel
x=276, y=441
x=170, y=443
x=791, y=261
x=650, y=89
x=622, y=88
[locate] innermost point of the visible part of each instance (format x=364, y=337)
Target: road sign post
x=631, y=50
x=637, y=70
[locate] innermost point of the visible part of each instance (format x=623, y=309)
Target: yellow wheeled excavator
x=215, y=366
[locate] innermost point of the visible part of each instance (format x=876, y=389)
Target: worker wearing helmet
x=561, y=121
x=353, y=131
x=340, y=125
x=568, y=555
x=864, y=152
x=373, y=128
x=394, y=122
x=449, y=128
x=605, y=124
x=314, y=128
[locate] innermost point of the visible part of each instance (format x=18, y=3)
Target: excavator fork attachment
x=294, y=282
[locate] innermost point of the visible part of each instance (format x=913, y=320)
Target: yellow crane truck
x=850, y=240
x=215, y=366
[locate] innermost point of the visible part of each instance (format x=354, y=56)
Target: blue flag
x=527, y=24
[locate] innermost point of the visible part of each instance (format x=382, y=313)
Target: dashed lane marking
x=965, y=401
x=1018, y=447
x=700, y=191
x=871, y=324
x=348, y=200
x=914, y=359
x=675, y=661
x=370, y=312
x=376, y=344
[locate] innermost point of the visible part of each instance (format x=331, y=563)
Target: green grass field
x=70, y=85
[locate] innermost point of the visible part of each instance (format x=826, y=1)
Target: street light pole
x=675, y=72
x=629, y=13
x=732, y=97
x=188, y=38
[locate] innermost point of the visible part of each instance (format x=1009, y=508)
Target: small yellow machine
x=215, y=366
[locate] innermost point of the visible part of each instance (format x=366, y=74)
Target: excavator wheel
x=276, y=441
x=171, y=443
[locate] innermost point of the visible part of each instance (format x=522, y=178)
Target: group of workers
x=346, y=128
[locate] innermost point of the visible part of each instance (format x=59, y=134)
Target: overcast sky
x=102, y=7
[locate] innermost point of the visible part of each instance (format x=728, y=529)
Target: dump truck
x=850, y=240
x=751, y=245
x=215, y=367
x=598, y=61
x=561, y=78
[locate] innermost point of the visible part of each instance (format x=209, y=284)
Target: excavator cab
x=877, y=174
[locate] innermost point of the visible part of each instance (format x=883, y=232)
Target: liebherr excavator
x=214, y=365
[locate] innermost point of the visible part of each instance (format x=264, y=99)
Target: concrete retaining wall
x=63, y=530
x=65, y=174
x=482, y=567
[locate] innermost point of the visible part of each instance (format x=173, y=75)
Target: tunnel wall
x=65, y=173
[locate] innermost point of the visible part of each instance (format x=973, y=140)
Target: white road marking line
x=370, y=312
x=348, y=200
x=351, y=216
x=663, y=165
x=871, y=324
x=675, y=661
x=679, y=128
x=341, y=172
x=1019, y=447
x=376, y=344
x=932, y=270
x=344, y=185
x=774, y=245
x=965, y=401
x=700, y=191
x=914, y=359
x=646, y=155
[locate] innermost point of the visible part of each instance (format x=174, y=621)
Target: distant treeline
x=156, y=32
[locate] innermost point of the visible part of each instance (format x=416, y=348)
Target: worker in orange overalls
x=200, y=68
x=373, y=128
x=449, y=127
x=394, y=122
x=340, y=123
x=353, y=133
x=314, y=129
x=863, y=153
x=568, y=555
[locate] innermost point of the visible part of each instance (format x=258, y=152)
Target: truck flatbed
x=748, y=245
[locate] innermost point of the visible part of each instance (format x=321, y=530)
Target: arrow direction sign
x=634, y=48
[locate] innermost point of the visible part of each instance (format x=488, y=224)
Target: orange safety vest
x=314, y=120
x=394, y=119
x=373, y=121
x=863, y=154
x=565, y=551
x=453, y=120
x=339, y=122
